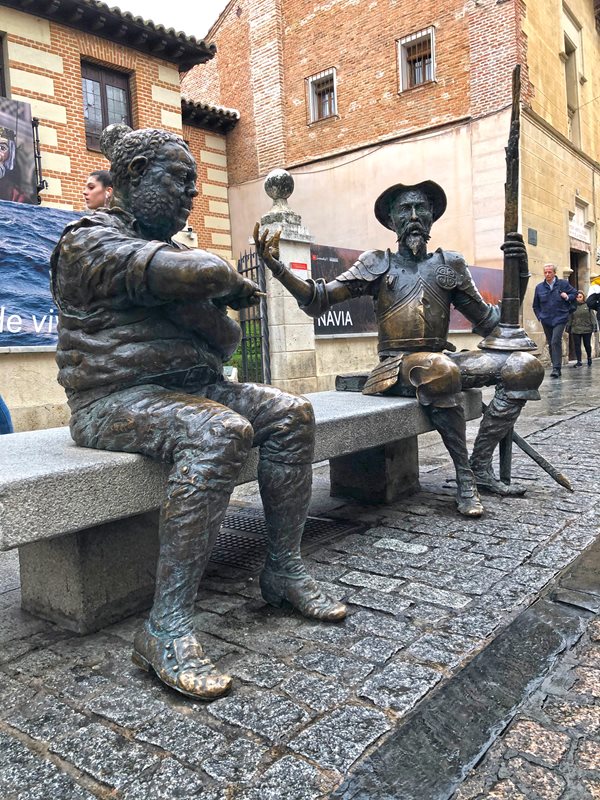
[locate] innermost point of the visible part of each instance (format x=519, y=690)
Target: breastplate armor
x=413, y=305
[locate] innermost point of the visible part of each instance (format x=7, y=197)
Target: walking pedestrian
x=552, y=305
x=6, y=425
x=582, y=323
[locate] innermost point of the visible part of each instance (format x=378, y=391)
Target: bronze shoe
x=302, y=593
x=487, y=481
x=469, y=505
x=179, y=663
x=467, y=496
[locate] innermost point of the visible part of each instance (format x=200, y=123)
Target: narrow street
x=469, y=667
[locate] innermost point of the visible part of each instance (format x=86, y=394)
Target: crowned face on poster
x=18, y=181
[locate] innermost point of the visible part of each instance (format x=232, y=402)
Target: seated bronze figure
x=413, y=291
x=143, y=335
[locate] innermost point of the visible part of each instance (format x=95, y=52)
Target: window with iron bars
x=322, y=100
x=416, y=59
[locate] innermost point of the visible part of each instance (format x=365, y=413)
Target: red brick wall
x=476, y=48
x=231, y=87
x=73, y=46
x=495, y=48
x=196, y=138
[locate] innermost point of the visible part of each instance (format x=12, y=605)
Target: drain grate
x=242, y=540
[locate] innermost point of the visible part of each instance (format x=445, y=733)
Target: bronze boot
x=450, y=423
x=179, y=663
x=294, y=587
x=497, y=422
x=285, y=490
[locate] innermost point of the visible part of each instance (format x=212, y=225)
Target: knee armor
x=435, y=377
x=521, y=376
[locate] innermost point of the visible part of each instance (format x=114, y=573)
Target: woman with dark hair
x=582, y=323
x=98, y=189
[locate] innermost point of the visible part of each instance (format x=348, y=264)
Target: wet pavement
x=469, y=666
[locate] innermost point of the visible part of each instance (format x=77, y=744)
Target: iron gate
x=254, y=347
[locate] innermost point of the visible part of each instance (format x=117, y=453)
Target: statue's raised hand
x=268, y=249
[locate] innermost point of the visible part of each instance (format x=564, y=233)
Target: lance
x=508, y=334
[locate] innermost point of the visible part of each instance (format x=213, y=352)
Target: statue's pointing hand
x=268, y=249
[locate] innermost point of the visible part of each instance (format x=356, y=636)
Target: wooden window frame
x=104, y=76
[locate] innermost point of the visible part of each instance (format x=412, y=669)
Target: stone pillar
x=291, y=332
x=381, y=474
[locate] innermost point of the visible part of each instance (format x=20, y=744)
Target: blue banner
x=28, y=235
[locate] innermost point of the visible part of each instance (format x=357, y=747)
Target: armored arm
x=314, y=296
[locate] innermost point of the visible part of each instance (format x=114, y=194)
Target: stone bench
x=85, y=521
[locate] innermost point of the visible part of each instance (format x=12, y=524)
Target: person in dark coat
x=582, y=323
x=552, y=305
x=6, y=425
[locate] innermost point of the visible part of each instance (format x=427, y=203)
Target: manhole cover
x=242, y=540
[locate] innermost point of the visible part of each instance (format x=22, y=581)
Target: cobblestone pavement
x=429, y=593
x=552, y=748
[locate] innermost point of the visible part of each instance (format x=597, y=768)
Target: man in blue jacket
x=551, y=305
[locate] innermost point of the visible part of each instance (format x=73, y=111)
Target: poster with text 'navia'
x=28, y=235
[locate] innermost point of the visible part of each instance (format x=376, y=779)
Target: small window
x=105, y=101
x=322, y=102
x=416, y=59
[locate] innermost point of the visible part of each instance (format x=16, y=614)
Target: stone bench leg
x=377, y=475
x=86, y=580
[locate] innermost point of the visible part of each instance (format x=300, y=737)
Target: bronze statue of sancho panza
x=142, y=338
x=413, y=291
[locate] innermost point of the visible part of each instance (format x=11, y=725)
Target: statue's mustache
x=413, y=228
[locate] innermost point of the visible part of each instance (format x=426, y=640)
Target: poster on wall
x=358, y=316
x=351, y=317
x=18, y=181
x=489, y=282
x=28, y=235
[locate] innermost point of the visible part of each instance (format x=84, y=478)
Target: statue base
x=507, y=337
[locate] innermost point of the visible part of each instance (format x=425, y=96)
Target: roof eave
x=207, y=117
x=121, y=27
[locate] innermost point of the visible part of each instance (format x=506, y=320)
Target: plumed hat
x=435, y=193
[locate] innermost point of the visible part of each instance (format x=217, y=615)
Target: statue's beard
x=414, y=237
x=154, y=211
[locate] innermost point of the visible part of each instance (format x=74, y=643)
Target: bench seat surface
x=49, y=486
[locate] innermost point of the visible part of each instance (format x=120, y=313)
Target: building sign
x=355, y=316
x=18, y=181
x=28, y=235
x=579, y=231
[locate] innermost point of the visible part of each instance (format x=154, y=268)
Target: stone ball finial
x=279, y=184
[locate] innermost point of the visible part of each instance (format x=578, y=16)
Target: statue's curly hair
x=120, y=144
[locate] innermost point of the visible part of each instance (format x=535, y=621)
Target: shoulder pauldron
x=370, y=266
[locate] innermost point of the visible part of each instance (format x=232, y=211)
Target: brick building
x=354, y=95
x=81, y=65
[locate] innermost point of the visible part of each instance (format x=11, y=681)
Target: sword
x=539, y=458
